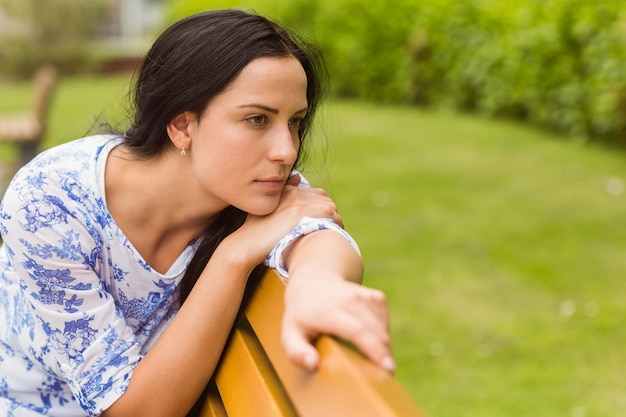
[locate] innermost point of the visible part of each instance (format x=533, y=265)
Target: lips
x=271, y=183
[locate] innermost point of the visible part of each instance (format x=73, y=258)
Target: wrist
x=236, y=255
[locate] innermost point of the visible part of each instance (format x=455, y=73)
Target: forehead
x=267, y=77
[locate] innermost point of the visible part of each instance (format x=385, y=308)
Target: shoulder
x=75, y=155
x=57, y=182
x=78, y=158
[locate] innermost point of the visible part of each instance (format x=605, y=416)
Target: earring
x=183, y=152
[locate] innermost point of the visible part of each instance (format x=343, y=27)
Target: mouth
x=271, y=183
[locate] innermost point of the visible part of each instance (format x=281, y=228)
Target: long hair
x=190, y=63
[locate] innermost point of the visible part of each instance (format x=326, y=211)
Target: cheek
x=215, y=153
x=222, y=169
x=216, y=169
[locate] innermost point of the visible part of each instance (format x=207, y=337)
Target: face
x=244, y=145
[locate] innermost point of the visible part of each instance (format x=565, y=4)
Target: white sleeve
x=307, y=225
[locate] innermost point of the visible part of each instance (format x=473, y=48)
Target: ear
x=178, y=130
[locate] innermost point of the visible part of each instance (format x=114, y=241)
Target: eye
x=257, y=120
x=296, y=122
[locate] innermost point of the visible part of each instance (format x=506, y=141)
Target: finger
x=299, y=349
x=367, y=327
x=377, y=348
x=377, y=301
x=294, y=180
x=370, y=335
x=311, y=202
x=338, y=220
x=320, y=191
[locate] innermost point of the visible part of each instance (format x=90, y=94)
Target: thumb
x=294, y=180
x=299, y=348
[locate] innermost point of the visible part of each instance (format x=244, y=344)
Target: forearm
x=171, y=377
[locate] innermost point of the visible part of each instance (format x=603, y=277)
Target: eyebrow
x=271, y=109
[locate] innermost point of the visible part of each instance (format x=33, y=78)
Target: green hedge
x=556, y=63
x=560, y=64
x=48, y=32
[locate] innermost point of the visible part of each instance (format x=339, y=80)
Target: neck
x=154, y=205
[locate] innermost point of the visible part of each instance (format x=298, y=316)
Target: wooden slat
x=346, y=384
x=212, y=405
x=246, y=381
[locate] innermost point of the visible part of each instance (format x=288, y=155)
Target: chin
x=260, y=209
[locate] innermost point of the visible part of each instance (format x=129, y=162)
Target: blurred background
x=475, y=149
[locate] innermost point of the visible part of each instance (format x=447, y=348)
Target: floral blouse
x=79, y=307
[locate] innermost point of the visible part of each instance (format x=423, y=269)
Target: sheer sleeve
x=307, y=225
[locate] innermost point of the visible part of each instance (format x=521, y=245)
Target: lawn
x=500, y=248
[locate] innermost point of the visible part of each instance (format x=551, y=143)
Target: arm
x=170, y=378
x=323, y=297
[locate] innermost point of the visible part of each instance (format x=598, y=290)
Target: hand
x=292, y=185
x=259, y=234
x=318, y=305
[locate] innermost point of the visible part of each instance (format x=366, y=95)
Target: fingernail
x=388, y=364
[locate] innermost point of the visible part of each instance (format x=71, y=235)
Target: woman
x=125, y=258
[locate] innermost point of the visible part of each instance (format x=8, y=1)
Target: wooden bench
x=28, y=128
x=255, y=377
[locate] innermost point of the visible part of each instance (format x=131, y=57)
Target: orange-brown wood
x=255, y=377
x=213, y=405
x=246, y=380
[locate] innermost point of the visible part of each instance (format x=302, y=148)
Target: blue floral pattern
x=79, y=307
x=307, y=225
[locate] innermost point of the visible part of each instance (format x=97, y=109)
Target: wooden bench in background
x=28, y=128
x=255, y=377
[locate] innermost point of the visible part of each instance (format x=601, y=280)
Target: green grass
x=79, y=105
x=500, y=248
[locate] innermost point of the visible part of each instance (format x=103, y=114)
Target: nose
x=285, y=146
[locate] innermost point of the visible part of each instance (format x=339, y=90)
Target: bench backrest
x=255, y=377
x=26, y=129
x=45, y=81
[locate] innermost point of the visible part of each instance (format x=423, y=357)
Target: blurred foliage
x=555, y=63
x=559, y=64
x=51, y=31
